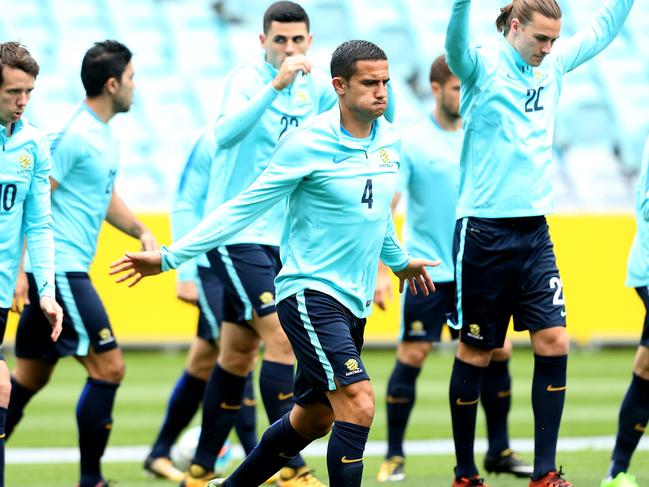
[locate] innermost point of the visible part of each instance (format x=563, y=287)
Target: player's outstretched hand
x=54, y=314
x=148, y=241
x=21, y=293
x=416, y=275
x=289, y=69
x=136, y=265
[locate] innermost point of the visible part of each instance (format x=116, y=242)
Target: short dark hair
x=346, y=55
x=104, y=60
x=15, y=55
x=439, y=70
x=285, y=12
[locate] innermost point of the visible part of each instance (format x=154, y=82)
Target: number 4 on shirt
x=367, y=194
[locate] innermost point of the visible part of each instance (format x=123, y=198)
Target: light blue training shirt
x=508, y=111
x=430, y=171
x=25, y=208
x=338, y=220
x=638, y=264
x=85, y=159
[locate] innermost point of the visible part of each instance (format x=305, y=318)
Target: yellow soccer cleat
x=302, y=477
x=197, y=476
x=392, y=470
x=163, y=467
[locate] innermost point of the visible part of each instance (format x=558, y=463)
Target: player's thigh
x=33, y=340
x=327, y=341
x=353, y=403
x=487, y=268
x=312, y=422
x=33, y=373
x=541, y=303
x=239, y=347
x=5, y=384
x=248, y=273
x=503, y=353
x=201, y=357
x=86, y=326
x=107, y=365
x=422, y=322
x=5, y=380
x=210, y=304
x=641, y=362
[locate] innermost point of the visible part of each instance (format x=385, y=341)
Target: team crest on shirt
x=267, y=299
x=105, y=336
x=25, y=163
x=474, y=332
x=539, y=75
x=416, y=328
x=352, y=367
x=384, y=158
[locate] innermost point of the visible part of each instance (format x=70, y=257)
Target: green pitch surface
x=597, y=382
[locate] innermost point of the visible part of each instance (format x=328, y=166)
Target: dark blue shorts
x=326, y=339
x=644, y=295
x=210, y=304
x=424, y=317
x=85, y=322
x=504, y=268
x=4, y=312
x=247, y=272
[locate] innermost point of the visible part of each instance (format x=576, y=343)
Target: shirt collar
x=514, y=56
x=379, y=126
x=16, y=127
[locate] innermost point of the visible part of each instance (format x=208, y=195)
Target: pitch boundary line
x=316, y=449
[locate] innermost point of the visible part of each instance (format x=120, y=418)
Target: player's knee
x=641, y=363
x=504, y=353
x=113, y=371
x=5, y=391
x=551, y=342
x=238, y=362
x=321, y=425
x=360, y=402
x=414, y=354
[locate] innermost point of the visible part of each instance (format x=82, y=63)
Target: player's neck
x=445, y=122
x=102, y=107
x=357, y=128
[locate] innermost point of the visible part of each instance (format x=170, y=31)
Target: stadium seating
x=183, y=50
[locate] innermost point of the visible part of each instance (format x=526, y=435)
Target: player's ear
x=339, y=85
x=515, y=24
x=262, y=39
x=111, y=85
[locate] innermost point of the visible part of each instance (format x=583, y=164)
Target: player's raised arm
x=279, y=179
x=461, y=58
x=244, y=103
x=592, y=40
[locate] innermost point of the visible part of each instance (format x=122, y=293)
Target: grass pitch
x=596, y=384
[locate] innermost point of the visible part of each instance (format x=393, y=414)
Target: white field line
x=316, y=449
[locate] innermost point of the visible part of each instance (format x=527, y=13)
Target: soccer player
x=197, y=284
x=24, y=206
x=84, y=165
x=634, y=411
x=430, y=171
x=262, y=101
x=339, y=174
x=505, y=264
